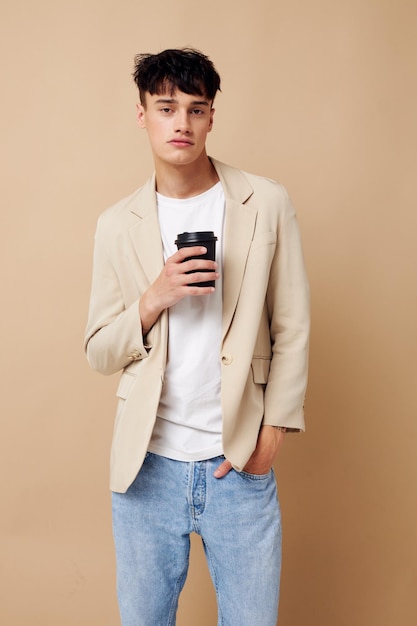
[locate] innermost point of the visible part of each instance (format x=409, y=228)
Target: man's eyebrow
x=166, y=101
x=174, y=101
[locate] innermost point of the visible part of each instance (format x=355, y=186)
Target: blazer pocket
x=264, y=239
x=260, y=370
x=126, y=382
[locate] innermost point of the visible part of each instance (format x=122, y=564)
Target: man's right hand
x=172, y=284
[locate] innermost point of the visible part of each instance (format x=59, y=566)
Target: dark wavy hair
x=183, y=69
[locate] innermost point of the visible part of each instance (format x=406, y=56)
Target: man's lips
x=181, y=142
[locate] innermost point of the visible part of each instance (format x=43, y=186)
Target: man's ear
x=212, y=111
x=140, y=115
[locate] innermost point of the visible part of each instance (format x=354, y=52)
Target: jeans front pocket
x=250, y=476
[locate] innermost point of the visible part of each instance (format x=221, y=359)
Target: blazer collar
x=145, y=232
x=239, y=226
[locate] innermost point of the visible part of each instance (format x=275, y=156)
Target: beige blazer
x=264, y=351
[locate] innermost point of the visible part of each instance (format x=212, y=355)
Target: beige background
x=320, y=95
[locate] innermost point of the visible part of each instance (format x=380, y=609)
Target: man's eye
x=165, y=110
x=198, y=111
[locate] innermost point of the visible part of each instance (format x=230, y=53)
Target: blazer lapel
x=240, y=220
x=145, y=233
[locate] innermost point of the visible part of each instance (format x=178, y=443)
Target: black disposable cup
x=204, y=238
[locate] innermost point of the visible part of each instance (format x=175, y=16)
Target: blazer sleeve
x=113, y=337
x=288, y=301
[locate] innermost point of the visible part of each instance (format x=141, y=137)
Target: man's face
x=177, y=126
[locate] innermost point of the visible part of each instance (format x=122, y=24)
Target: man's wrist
x=148, y=313
x=282, y=429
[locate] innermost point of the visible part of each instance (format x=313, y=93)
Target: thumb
x=223, y=469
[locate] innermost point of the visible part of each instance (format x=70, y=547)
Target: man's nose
x=182, y=122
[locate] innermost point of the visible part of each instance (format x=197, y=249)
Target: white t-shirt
x=189, y=422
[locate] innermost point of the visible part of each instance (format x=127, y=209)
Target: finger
x=198, y=279
x=199, y=291
x=195, y=264
x=187, y=252
x=223, y=469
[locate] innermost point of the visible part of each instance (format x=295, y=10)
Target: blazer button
x=135, y=355
x=227, y=359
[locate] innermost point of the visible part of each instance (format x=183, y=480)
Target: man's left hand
x=270, y=440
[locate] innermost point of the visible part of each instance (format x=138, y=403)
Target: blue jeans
x=238, y=519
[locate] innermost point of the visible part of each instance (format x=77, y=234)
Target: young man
x=212, y=377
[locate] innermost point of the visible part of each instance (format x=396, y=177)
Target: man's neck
x=185, y=181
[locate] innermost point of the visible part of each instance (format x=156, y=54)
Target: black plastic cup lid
x=196, y=237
